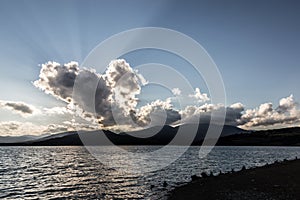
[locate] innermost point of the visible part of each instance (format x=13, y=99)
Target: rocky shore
x=278, y=181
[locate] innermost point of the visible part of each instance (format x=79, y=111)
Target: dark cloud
x=172, y=116
x=58, y=80
x=18, y=107
x=116, y=89
x=234, y=113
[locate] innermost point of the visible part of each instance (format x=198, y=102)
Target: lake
x=71, y=172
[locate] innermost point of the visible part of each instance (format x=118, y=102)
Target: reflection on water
x=71, y=172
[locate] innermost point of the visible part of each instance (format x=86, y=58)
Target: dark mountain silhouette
x=13, y=139
x=151, y=136
x=275, y=137
x=230, y=136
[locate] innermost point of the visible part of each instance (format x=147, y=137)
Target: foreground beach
x=276, y=181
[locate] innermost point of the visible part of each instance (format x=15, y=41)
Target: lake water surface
x=71, y=172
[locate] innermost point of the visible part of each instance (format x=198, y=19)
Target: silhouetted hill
x=230, y=136
x=13, y=139
x=275, y=137
x=152, y=136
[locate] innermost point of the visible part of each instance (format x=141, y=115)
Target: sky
x=255, y=45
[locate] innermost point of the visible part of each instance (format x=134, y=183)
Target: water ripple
x=72, y=173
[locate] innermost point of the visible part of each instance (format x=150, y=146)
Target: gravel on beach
x=273, y=182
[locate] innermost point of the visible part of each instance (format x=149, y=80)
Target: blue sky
x=255, y=44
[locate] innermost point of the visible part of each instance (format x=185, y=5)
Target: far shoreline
x=230, y=136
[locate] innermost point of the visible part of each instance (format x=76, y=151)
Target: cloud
x=176, y=91
x=20, y=108
x=262, y=117
x=116, y=100
x=72, y=125
x=287, y=104
x=28, y=110
x=116, y=89
x=266, y=115
x=125, y=84
x=200, y=97
x=162, y=112
x=157, y=113
x=234, y=113
x=57, y=111
x=15, y=128
x=117, y=105
x=115, y=95
x=58, y=80
x=202, y=114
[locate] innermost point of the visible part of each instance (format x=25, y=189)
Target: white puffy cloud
x=176, y=91
x=157, y=113
x=57, y=111
x=287, y=104
x=237, y=106
x=202, y=114
x=266, y=115
x=200, y=97
x=125, y=84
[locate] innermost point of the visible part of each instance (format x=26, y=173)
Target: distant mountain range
x=14, y=139
x=274, y=137
x=230, y=135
